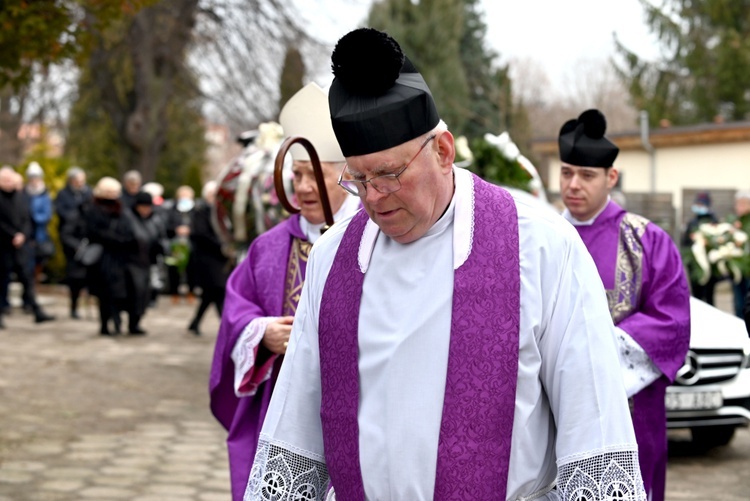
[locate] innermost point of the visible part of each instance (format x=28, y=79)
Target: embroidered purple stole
x=295, y=275
x=477, y=420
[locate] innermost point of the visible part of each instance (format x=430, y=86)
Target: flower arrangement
x=719, y=250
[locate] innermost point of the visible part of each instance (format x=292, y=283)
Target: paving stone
x=62, y=485
x=106, y=493
x=29, y=466
x=113, y=481
x=91, y=446
x=15, y=477
x=171, y=489
x=179, y=478
x=161, y=497
x=216, y=484
x=189, y=449
x=88, y=456
x=123, y=471
x=113, y=439
x=136, y=461
x=68, y=472
x=169, y=466
x=140, y=445
x=45, y=448
x=222, y=473
x=119, y=413
x=213, y=496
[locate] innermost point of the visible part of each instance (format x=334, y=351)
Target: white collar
x=312, y=231
x=461, y=209
x=575, y=222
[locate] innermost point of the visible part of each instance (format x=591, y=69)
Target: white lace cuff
x=611, y=473
x=246, y=378
x=281, y=473
x=638, y=371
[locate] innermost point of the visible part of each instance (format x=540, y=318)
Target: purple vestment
x=648, y=298
x=478, y=410
x=255, y=289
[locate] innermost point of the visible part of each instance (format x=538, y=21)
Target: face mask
x=699, y=210
x=185, y=205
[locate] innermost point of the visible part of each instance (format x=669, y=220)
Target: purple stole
x=479, y=405
x=295, y=275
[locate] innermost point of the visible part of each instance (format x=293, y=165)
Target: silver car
x=711, y=394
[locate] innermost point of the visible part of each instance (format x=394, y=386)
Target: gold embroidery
x=623, y=298
x=294, y=279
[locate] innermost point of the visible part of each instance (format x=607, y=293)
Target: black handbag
x=88, y=253
x=44, y=250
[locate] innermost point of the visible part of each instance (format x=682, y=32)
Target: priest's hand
x=276, y=337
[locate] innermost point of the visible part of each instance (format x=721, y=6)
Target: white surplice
x=571, y=415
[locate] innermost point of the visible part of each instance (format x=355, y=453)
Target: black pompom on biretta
x=367, y=62
x=594, y=123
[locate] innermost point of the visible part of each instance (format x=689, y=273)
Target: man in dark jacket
x=15, y=228
x=208, y=264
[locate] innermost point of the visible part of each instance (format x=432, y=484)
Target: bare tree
x=12, y=104
x=588, y=84
x=155, y=44
x=238, y=53
x=40, y=104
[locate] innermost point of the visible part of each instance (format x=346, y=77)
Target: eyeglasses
x=386, y=183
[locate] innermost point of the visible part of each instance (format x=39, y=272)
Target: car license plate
x=693, y=400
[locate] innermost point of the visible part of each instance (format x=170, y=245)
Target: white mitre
x=307, y=114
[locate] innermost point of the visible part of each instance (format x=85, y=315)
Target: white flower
x=462, y=148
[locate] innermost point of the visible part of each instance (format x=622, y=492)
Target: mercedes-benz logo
x=690, y=372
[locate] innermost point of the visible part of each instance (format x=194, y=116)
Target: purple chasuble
x=477, y=422
x=648, y=297
x=256, y=288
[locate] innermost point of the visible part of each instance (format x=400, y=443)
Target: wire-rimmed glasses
x=385, y=183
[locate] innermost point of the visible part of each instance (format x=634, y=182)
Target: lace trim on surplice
x=282, y=474
x=609, y=475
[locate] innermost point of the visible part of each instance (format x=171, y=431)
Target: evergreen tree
x=445, y=39
x=488, y=109
x=705, y=69
x=292, y=75
x=430, y=34
x=94, y=144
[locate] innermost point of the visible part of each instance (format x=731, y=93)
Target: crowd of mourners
x=123, y=243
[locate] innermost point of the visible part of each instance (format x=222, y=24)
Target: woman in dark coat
x=73, y=231
x=148, y=232
x=208, y=265
x=106, y=225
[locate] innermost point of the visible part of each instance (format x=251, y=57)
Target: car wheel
x=708, y=437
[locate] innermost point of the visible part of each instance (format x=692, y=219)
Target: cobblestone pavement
x=85, y=417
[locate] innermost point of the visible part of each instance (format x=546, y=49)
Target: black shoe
x=40, y=317
x=104, y=331
x=2, y=324
x=194, y=329
x=136, y=331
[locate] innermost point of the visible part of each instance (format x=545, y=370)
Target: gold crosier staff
x=278, y=180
